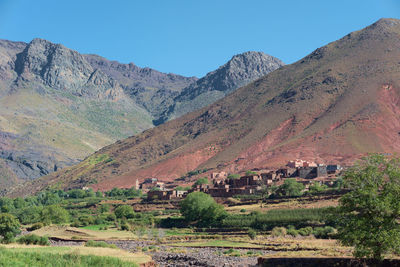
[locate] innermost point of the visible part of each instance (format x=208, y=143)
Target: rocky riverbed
x=168, y=256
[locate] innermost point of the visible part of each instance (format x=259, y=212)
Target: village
x=224, y=185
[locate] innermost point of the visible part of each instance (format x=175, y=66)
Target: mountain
x=336, y=104
x=237, y=72
x=150, y=89
x=58, y=106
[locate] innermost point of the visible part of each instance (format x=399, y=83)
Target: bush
x=243, y=210
x=292, y=231
x=278, y=231
x=198, y=206
x=35, y=226
x=252, y=234
x=9, y=227
x=324, y=232
x=54, y=214
x=99, y=244
x=124, y=211
x=306, y=231
x=33, y=239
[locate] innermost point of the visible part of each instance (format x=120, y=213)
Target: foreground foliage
x=368, y=216
x=9, y=257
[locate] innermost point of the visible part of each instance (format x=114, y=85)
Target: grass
x=66, y=232
x=217, y=243
x=20, y=255
x=291, y=204
x=95, y=227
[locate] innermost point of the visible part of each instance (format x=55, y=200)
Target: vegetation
x=124, y=212
x=13, y=257
x=9, y=227
x=290, y=188
x=201, y=181
x=277, y=218
x=202, y=208
x=368, y=216
x=233, y=176
x=99, y=244
x=33, y=239
x=54, y=214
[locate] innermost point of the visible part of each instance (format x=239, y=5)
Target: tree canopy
x=290, y=188
x=200, y=207
x=368, y=216
x=54, y=214
x=124, y=211
x=9, y=227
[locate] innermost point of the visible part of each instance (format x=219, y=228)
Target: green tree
x=29, y=215
x=233, y=176
x=316, y=188
x=124, y=211
x=9, y=227
x=200, y=207
x=291, y=188
x=54, y=214
x=368, y=216
x=248, y=173
x=201, y=181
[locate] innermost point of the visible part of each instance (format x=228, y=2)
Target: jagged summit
x=240, y=70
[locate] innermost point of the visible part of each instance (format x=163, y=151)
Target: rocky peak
x=61, y=68
x=240, y=70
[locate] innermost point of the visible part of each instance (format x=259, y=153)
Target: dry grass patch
x=81, y=250
x=66, y=232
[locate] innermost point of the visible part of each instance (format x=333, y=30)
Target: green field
x=18, y=255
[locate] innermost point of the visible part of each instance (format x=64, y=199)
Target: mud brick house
x=230, y=192
x=150, y=183
x=312, y=172
x=271, y=178
x=286, y=172
x=333, y=169
x=166, y=194
x=219, y=175
x=300, y=163
x=253, y=180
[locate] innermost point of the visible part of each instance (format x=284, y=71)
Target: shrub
x=33, y=239
x=54, y=214
x=306, y=231
x=252, y=234
x=35, y=226
x=124, y=211
x=278, y=231
x=292, y=231
x=324, y=232
x=243, y=210
x=99, y=244
x=9, y=227
x=198, y=206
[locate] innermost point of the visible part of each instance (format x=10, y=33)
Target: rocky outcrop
x=61, y=68
x=151, y=89
x=237, y=72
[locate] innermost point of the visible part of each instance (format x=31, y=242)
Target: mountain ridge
x=57, y=105
x=333, y=106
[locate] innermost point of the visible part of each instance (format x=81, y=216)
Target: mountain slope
x=237, y=72
x=55, y=109
x=336, y=104
x=57, y=106
x=149, y=88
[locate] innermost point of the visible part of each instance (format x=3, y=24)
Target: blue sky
x=189, y=37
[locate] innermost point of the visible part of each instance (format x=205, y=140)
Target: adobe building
x=312, y=172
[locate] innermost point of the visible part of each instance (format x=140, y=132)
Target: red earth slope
x=334, y=105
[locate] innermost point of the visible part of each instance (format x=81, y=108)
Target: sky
x=189, y=37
